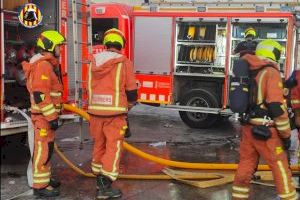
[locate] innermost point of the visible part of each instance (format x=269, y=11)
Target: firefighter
x=45, y=88
x=112, y=92
x=247, y=46
x=292, y=90
x=295, y=103
x=295, y=97
x=267, y=132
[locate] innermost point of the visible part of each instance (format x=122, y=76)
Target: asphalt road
x=154, y=130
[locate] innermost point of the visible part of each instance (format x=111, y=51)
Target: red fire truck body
x=196, y=86
x=182, y=52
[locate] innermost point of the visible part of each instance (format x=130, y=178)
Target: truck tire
x=199, y=98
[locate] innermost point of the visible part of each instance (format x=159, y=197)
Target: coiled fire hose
x=170, y=163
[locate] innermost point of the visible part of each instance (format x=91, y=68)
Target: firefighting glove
x=286, y=143
x=54, y=124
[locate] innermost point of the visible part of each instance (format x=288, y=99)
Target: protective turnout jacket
x=111, y=84
x=295, y=91
x=295, y=98
x=270, y=94
x=44, y=86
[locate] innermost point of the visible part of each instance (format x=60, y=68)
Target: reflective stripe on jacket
x=270, y=90
x=110, y=75
x=41, y=79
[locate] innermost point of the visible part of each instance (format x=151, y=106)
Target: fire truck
x=182, y=52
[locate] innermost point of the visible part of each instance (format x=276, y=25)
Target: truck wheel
x=199, y=98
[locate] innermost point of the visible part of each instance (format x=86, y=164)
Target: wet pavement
x=154, y=130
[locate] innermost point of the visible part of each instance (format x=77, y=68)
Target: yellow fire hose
x=170, y=163
x=188, y=175
x=211, y=179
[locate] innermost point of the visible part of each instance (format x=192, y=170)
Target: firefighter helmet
x=269, y=49
x=250, y=32
x=114, y=36
x=48, y=40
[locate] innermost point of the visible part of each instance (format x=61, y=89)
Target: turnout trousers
x=43, y=150
x=108, y=135
x=273, y=153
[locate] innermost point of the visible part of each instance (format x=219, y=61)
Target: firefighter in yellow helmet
x=45, y=88
x=267, y=132
x=112, y=92
x=249, y=45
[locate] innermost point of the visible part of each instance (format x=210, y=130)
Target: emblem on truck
x=30, y=16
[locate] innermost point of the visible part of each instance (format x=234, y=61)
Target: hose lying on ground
x=145, y=177
x=182, y=176
x=170, y=163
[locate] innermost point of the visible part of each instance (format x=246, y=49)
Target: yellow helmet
x=114, y=36
x=49, y=39
x=269, y=49
x=250, y=31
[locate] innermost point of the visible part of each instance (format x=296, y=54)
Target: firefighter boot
x=54, y=183
x=105, y=189
x=46, y=192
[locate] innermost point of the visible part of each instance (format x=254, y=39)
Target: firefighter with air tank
x=257, y=94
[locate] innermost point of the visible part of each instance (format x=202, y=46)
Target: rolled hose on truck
x=170, y=163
